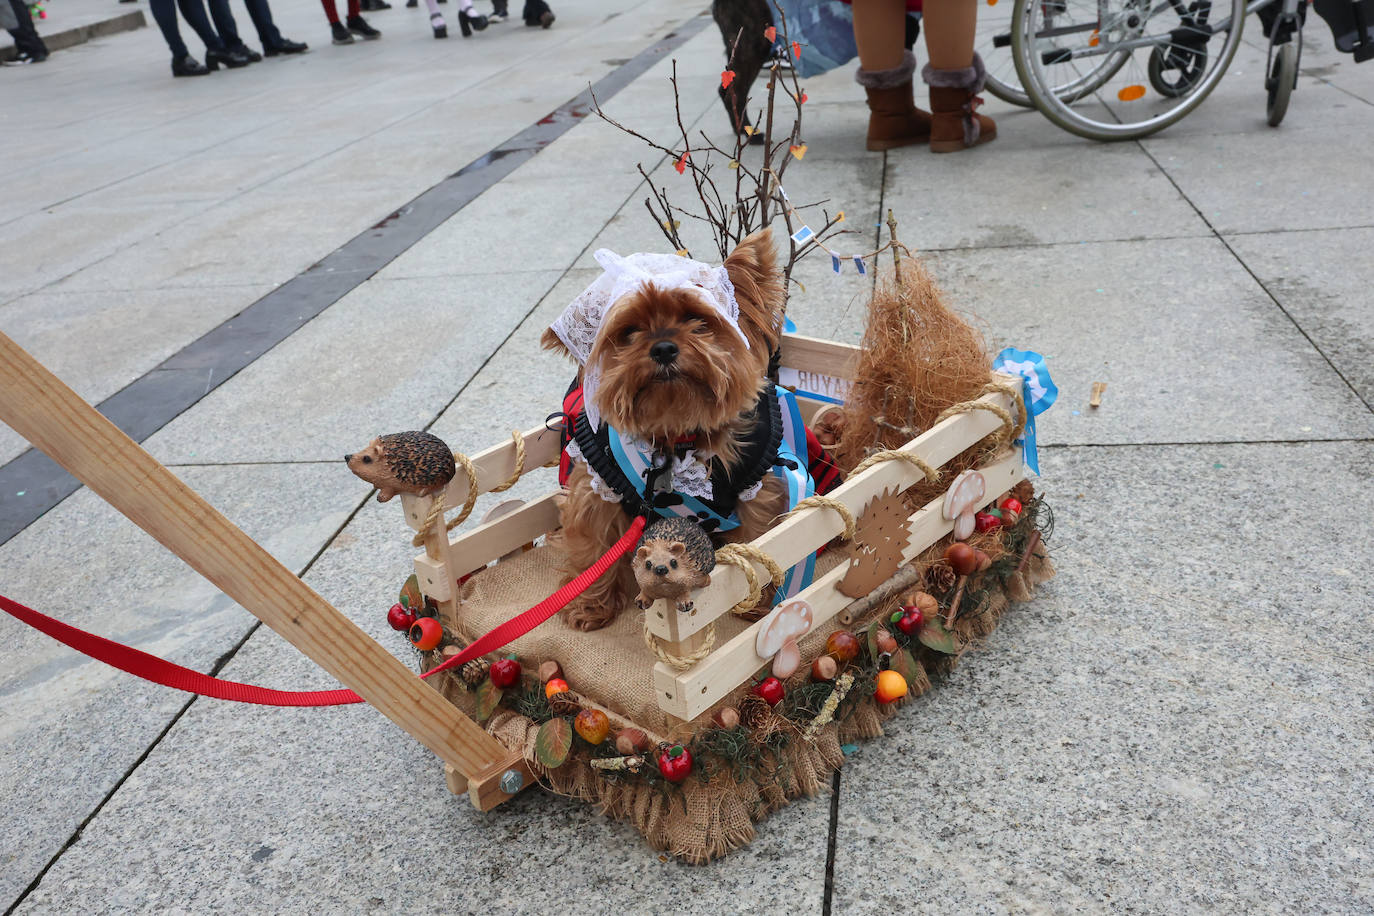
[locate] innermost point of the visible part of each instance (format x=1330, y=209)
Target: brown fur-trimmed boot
x=893, y=119
x=955, y=124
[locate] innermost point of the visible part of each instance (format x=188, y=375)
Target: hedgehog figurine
x=674, y=557
x=411, y=462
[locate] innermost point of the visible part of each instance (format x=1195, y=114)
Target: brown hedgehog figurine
x=410, y=462
x=674, y=557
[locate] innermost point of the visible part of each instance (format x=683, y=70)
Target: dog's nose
x=348, y=458
x=661, y=570
x=663, y=352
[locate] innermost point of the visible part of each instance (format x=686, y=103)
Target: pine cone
x=1024, y=491
x=474, y=672
x=565, y=704
x=940, y=578
x=754, y=711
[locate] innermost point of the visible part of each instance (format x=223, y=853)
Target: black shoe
x=188, y=66
x=411, y=4
x=374, y=6
x=287, y=46
x=545, y=20
x=500, y=11
x=229, y=57
x=341, y=34
x=241, y=48
x=436, y=22
x=469, y=23
x=358, y=26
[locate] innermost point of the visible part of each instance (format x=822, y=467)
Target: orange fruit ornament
x=555, y=685
x=891, y=687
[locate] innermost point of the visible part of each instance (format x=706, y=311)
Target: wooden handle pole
x=55, y=419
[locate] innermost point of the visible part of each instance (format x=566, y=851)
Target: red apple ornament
x=399, y=618
x=911, y=620
x=676, y=762
x=770, y=688
x=505, y=672
x=985, y=521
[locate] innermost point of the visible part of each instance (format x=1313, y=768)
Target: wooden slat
x=494, y=467
x=50, y=415
x=815, y=355
x=687, y=694
x=792, y=539
x=499, y=537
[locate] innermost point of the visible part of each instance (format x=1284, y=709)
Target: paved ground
x=1180, y=723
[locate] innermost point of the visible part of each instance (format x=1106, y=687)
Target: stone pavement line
x=1255, y=277
x=151, y=401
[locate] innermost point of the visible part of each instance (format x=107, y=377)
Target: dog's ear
x=754, y=262
x=753, y=270
x=549, y=341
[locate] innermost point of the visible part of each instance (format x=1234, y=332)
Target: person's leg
x=878, y=29
x=261, y=14
x=26, y=40
x=955, y=75
x=949, y=26
x=225, y=25
x=331, y=12
x=193, y=11
x=165, y=15
x=886, y=70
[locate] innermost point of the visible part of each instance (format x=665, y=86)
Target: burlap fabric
x=698, y=821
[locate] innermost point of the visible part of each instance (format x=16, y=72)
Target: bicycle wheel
x=992, y=41
x=1181, y=48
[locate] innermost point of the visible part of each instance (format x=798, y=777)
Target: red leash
x=160, y=671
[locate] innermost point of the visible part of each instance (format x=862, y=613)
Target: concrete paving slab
x=1233, y=181
x=1147, y=736
x=387, y=357
x=70, y=728
x=1044, y=195
x=1175, y=329
x=98, y=342
x=1319, y=278
x=380, y=831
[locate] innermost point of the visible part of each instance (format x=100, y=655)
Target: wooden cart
x=37, y=405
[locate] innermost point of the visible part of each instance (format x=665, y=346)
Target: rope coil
x=743, y=557
x=1010, y=427
x=896, y=454
x=825, y=502
x=437, y=509
x=682, y=662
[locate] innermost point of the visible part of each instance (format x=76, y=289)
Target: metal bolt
x=511, y=781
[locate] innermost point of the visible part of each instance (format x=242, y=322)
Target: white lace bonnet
x=581, y=322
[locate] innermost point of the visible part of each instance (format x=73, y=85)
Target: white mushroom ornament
x=778, y=636
x=962, y=499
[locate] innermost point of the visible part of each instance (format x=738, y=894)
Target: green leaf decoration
x=933, y=635
x=554, y=741
x=488, y=698
x=410, y=594
x=905, y=664
x=873, y=639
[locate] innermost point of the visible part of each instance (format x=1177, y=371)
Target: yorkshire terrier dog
x=672, y=369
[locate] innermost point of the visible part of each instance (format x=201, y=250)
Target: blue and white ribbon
x=1038, y=392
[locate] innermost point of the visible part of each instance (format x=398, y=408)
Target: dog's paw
x=586, y=618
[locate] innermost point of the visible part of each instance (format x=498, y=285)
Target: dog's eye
x=626, y=334
x=701, y=328
x=673, y=563
x=367, y=459
x=648, y=564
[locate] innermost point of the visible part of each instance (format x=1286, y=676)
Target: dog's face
x=670, y=365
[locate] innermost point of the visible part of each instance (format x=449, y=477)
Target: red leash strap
x=160, y=671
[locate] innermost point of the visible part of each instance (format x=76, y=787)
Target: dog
x=670, y=369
